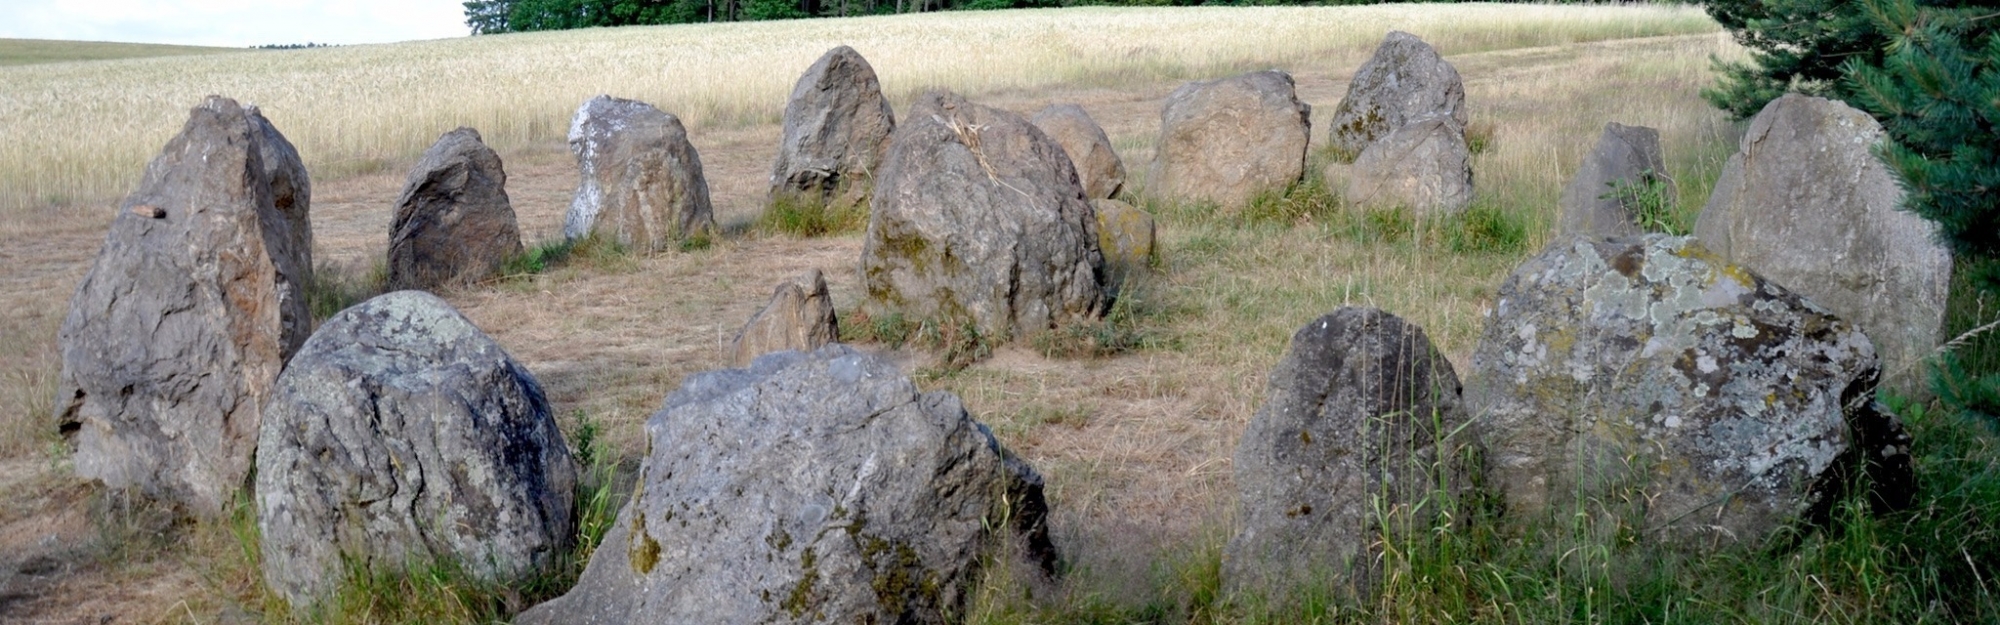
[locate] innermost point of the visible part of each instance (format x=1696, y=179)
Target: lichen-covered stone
x=1645, y=378
x=454, y=224
x=978, y=218
x=836, y=132
x=1098, y=167
x=816, y=487
x=191, y=308
x=1424, y=167
x=401, y=431
x=1806, y=203
x=1361, y=438
x=1600, y=199
x=1125, y=234
x=642, y=183
x=799, y=316
x=1404, y=81
x=1226, y=141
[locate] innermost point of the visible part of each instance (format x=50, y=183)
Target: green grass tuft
x=805, y=216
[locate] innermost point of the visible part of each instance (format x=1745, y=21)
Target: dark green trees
x=1929, y=70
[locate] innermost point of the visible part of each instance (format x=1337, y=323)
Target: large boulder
x=836, y=132
x=1361, y=437
x=816, y=487
x=1125, y=235
x=642, y=184
x=1226, y=141
x=194, y=303
x=1602, y=198
x=1403, y=82
x=454, y=224
x=402, y=432
x=1690, y=399
x=978, y=218
x=1423, y=166
x=1806, y=203
x=289, y=239
x=799, y=316
x=1097, y=165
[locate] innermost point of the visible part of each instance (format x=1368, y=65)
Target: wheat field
x=78, y=133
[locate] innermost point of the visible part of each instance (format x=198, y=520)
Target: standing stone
x=1097, y=165
x=454, y=225
x=816, y=487
x=1361, y=439
x=837, y=127
x=401, y=431
x=1403, y=82
x=1125, y=234
x=1598, y=200
x=978, y=218
x=1424, y=167
x=1806, y=203
x=1687, y=398
x=799, y=316
x=642, y=184
x=174, y=337
x=1226, y=141
x=290, y=238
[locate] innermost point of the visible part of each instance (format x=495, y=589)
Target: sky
x=233, y=23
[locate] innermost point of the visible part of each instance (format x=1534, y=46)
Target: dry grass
x=78, y=134
x=1137, y=447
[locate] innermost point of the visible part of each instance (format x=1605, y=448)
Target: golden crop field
x=79, y=133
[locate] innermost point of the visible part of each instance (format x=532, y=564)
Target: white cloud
x=233, y=22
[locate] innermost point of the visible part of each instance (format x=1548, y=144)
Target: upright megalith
x=1403, y=82
x=1098, y=168
x=836, y=133
x=1806, y=203
x=641, y=184
x=1424, y=167
x=1361, y=443
x=289, y=239
x=402, y=432
x=799, y=316
x=454, y=224
x=817, y=487
x=978, y=218
x=1227, y=141
x=1666, y=392
x=1608, y=192
x=175, y=336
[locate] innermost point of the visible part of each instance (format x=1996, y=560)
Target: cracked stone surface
x=402, y=431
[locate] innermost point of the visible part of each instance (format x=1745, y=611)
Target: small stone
x=836, y=132
x=978, y=218
x=1598, y=200
x=1361, y=436
x=799, y=317
x=1424, y=167
x=642, y=183
x=1098, y=167
x=1227, y=141
x=1404, y=81
x=454, y=225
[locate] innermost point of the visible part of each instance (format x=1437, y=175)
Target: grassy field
x=1135, y=438
x=80, y=134
x=38, y=51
